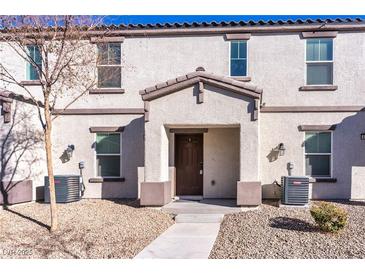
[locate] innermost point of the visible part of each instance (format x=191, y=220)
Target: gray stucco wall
x=221, y=162
x=22, y=138
x=275, y=63
x=74, y=130
x=220, y=109
x=348, y=150
x=221, y=159
x=358, y=183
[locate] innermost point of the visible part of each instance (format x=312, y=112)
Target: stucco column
x=156, y=188
x=156, y=153
x=249, y=152
x=249, y=187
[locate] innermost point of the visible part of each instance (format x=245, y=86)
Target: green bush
x=329, y=217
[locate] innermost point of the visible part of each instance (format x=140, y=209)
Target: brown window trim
x=107, y=180
x=241, y=78
x=237, y=36
x=99, y=111
x=112, y=39
x=106, y=91
x=322, y=180
x=317, y=127
x=32, y=83
x=33, y=42
x=318, y=88
x=188, y=130
x=299, y=109
x=319, y=34
x=106, y=129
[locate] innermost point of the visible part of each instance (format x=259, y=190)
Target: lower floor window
x=108, y=154
x=318, y=154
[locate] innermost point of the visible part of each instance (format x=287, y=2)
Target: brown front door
x=189, y=164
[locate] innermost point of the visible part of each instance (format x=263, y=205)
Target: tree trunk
x=48, y=147
x=4, y=193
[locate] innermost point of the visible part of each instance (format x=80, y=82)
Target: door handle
x=201, y=172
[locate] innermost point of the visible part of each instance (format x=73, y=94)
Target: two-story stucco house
x=218, y=110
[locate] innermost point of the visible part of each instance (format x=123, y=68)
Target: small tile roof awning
x=200, y=76
x=6, y=100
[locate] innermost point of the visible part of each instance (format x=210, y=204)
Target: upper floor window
x=35, y=62
x=238, y=58
x=318, y=154
x=319, y=59
x=108, y=154
x=109, y=65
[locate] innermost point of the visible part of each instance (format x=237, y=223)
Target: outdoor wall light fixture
x=362, y=136
x=281, y=149
x=69, y=150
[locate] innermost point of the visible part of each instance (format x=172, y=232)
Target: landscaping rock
x=273, y=232
x=87, y=229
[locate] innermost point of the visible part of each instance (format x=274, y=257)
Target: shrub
x=329, y=217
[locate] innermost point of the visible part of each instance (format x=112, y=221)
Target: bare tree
x=65, y=66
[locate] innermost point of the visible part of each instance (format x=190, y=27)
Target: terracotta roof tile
x=213, y=24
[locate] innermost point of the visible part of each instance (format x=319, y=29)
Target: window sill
x=31, y=83
x=322, y=180
x=318, y=88
x=241, y=78
x=106, y=91
x=107, y=180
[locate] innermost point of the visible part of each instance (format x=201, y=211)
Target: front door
x=189, y=164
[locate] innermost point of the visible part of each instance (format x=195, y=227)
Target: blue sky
x=144, y=19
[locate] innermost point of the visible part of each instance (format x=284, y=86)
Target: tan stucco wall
x=73, y=130
x=276, y=63
x=221, y=162
x=220, y=108
x=348, y=150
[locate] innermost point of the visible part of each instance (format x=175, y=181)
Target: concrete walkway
x=205, y=206
x=193, y=235
x=183, y=241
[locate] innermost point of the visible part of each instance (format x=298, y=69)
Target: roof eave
x=190, y=79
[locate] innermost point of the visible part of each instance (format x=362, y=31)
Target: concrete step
x=199, y=218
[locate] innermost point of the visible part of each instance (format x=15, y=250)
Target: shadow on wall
x=64, y=157
x=19, y=144
x=348, y=150
x=273, y=155
x=273, y=189
x=250, y=101
x=132, y=143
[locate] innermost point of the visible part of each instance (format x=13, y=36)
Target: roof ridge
x=200, y=75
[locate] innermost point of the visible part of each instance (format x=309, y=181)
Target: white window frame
x=110, y=65
x=108, y=154
x=230, y=59
x=318, y=62
x=330, y=154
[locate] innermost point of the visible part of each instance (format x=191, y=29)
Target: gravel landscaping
x=87, y=229
x=272, y=232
